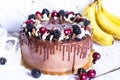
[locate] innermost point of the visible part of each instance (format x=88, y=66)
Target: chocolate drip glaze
x=47, y=49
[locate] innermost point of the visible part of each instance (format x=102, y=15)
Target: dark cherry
x=83, y=76
x=39, y=13
x=67, y=31
x=68, y=13
x=42, y=30
x=77, y=19
x=91, y=73
x=29, y=22
x=96, y=56
x=54, y=13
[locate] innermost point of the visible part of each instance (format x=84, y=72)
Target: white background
x=14, y=12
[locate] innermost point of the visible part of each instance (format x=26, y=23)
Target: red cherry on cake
x=67, y=31
x=29, y=21
x=69, y=13
x=38, y=13
x=91, y=73
x=54, y=13
x=43, y=30
x=83, y=76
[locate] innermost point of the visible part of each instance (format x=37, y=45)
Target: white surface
x=13, y=70
x=14, y=12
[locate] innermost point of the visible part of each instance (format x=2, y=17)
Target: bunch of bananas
x=105, y=25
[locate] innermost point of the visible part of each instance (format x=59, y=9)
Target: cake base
x=86, y=66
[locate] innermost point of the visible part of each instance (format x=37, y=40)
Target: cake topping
x=57, y=26
x=32, y=16
x=45, y=13
x=43, y=30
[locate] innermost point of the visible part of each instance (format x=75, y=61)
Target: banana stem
x=99, y=4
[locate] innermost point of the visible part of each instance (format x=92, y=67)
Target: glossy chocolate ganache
x=56, y=43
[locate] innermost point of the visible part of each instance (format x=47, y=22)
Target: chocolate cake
x=56, y=42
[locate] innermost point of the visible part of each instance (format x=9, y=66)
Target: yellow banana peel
x=99, y=36
x=105, y=24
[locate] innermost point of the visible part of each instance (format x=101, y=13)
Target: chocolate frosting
x=47, y=48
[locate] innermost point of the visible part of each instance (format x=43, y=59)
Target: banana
x=105, y=24
x=112, y=17
x=99, y=36
x=84, y=12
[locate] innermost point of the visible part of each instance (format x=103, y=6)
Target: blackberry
x=86, y=22
x=56, y=34
x=81, y=70
x=3, y=61
x=45, y=11
x=72, y=18
x=76, y=29
x=32, y=16
x=78, y=14
x=62, y=14
x=36, y=73
x=30, y=27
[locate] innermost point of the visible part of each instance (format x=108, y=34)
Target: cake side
x=56, y=58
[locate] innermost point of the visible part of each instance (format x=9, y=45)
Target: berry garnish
x=91, y=73
x=36, y=73
x=69, y=13
x=39, y=13
x=81, y=70
x=67, y=31
x=45, y=11
x=32, y=16
x=54, y=13
x=3, y=61
x=56, y=34
x=61, y=13
x=78, y=14
x=29, y=22
x=83, y=76
x=77, y=19
x=76, y=29
x=96, y=56
x=87, y=22
x=30, y=27
x=43, y=30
